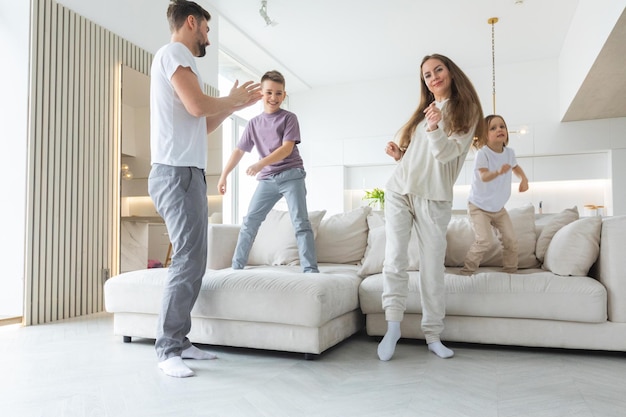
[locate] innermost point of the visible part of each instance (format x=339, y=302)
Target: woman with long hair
x=431, y=150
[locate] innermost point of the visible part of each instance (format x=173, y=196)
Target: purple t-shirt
x=267, y=132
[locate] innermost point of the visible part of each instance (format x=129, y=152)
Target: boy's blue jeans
x=288, y=184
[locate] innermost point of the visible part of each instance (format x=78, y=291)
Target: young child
x=275, y=134
x=491, y=189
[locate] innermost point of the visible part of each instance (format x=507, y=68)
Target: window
x=239, y=186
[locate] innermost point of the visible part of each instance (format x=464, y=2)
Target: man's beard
x=201, y=44
x=201, y=50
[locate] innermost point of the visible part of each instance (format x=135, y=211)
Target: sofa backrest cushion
x=341, y=238
x=222, y=239
x=554, y=224
x=374, y=256
x=574, y=248
x=611, y=265
x=460, y=237
x=275, y=242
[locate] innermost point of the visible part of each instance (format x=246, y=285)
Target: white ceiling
x=318, y=43
x=325, y=42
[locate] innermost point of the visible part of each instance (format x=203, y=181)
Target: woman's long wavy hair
x=462, y=111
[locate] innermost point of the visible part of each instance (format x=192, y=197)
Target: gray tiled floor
x=78, y=368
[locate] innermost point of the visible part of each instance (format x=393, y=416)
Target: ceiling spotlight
x=263, y=13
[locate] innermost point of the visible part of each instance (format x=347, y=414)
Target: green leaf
x=376, y=196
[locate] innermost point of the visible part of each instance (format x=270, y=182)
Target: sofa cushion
x=374, y=256
x=460, y=237
x=269, y=294
x=341, y=238
x=536, y=295
x=275, y=243
x=574, y=248
x=554, y=224
x=222, y=239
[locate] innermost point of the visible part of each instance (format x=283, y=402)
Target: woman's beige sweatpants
x=430, y=220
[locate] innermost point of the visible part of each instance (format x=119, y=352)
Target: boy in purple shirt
x=280, y=171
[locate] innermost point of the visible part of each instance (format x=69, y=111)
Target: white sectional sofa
x=566, y=301
x=269, y=305
x=570, y=291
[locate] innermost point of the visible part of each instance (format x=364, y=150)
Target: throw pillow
x=275, y=243
x=460, y=237
x=374, y=256
x=574, y=248
x=523, y=219
x=342, y=237
x=554, y=225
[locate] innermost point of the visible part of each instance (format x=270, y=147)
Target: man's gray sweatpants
x=179, y=195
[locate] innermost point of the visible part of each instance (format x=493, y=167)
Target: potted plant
x=376, y=198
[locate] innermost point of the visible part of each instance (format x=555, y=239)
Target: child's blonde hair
x=481, y=140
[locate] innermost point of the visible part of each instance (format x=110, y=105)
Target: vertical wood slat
x=116, y=111
x=53, y=180
x=66, y=202
x=43, y=178
x=78, y=161
x=87, y=175
x=73, y=122
x=31, y=290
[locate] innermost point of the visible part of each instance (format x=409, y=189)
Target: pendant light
x=492, y=21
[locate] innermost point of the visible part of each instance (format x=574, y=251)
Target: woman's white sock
x=387, y=346
x=440, y=350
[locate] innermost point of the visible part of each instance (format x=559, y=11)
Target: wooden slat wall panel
x=73, y=205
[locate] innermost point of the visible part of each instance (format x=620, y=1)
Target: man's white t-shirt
x=176, y=137
x=492, y=195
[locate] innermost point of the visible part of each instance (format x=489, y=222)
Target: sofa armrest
x=222, y=239
x=611, y=266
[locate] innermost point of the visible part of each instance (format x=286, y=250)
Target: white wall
x=618, y=170
x=14, y=41
x=345, y=129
